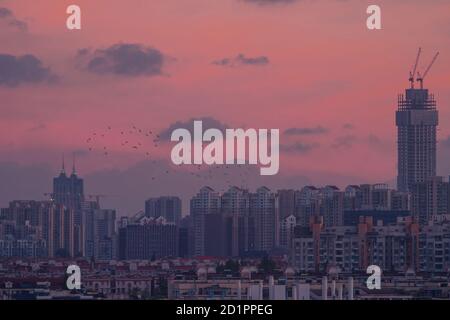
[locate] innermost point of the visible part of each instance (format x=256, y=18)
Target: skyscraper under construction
x=417, y=120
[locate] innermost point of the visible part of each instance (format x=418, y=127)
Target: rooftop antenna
x=421, y=78
x=63, y=170
x=413, y=73
x=73, y=163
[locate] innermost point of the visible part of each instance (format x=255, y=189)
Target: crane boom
x=419, y=77
x=431, y=64
x=413, y=73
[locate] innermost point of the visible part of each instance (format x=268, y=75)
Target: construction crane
x=421, y=78
x=413, y=73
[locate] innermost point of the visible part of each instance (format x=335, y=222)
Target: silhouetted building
x=69, y=191
x=417, y=120
x=40, y=220
x=148, y=239
x=286, y=202
x=385, y=217
x=206, y=202
x=265, y=215
x=99, y=233
x=430, y=198
x=167, y=207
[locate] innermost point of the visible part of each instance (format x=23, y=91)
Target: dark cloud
x=5, y=13
x=208, y=123
x=306, y=131
x=380, y=144
x=123, y=59
x=80, y=153
x=15, y=71
x=7, y=18
x=242, y=60
x=348, y=126
x=346, y=141
x=38, y=127
x=299, y=147
x=269, y=2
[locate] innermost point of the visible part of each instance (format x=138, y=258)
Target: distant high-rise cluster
x=65, y=226
x=317, y=227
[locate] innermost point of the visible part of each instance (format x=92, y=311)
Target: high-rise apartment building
x=206, y=202
x=148, y=238
x=417, y=120
x=265, y=215
x=167, y=207
x=430, y=198
x=99, y=233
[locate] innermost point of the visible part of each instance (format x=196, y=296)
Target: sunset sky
x=308, y=67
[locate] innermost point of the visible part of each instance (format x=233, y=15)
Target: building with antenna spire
x=417, y=121
x=69, y=192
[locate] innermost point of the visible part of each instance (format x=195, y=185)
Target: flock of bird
x=128, y=139
x=147, y=141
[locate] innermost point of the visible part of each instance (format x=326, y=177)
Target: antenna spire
x=63, y=169
x=73, y=164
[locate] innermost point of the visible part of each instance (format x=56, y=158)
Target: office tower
x=148, y=239
x=264, y=211
x=167, y=207
x=206, y=202
x=69, y=191
x=430, y=198
x=417, y=120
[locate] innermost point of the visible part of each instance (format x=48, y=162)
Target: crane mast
x=413, y=73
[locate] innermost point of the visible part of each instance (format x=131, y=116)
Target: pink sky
x=326, y=69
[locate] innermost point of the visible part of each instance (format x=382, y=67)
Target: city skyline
x=335, y=129
x=237, y=150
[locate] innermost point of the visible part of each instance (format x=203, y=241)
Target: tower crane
x=413, y=73
x=421, y=78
